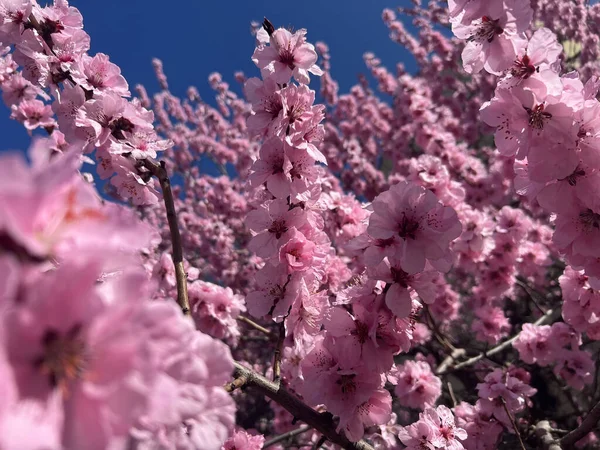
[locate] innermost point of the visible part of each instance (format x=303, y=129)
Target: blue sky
x=197, y=37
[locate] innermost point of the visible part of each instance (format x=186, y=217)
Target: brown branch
x=499, y=347
x=321, y=422
x=160, y=172
x=513, y=423
x=254, y=325
x=285, y=436
x=236, y=384
x=277, y=355
x=588, y=424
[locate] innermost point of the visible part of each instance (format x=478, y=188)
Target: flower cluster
x=88, y=97
x=83, y=350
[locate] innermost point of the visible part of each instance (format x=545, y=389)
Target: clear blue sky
x=197, y=37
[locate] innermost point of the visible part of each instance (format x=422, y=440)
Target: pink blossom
x=421, y=225
x=535, y=65
x=575, y=367
x=271, y=223
x=215, y=310
x=495, y=36
x=535, y=344
x=272, y=168
x=297, y=251
x=241, y=440
x=416, y=385
x=33, y=114
x=287, y=55
x=491, y=324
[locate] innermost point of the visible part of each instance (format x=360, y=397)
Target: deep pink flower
x=272, y=168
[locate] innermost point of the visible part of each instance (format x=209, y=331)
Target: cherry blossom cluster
x=87, y=359
x=81, y=100
x=394, y=260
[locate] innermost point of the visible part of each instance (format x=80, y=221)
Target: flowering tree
x=413, y=266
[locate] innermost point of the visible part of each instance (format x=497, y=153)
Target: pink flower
x=241, y=440
x=102, y=75
x=376, y=410
x=275, y=292
x=287, y=55
x=495, y=37
x=33, y=114
x=534, y=67
x=447, y=433
x=499, y=387
x=416, y=385
x=491, y=324
x=400, y=285
x=535, y=344
x=271, y=223
x=215, y=310
x=526, y=122
x=576, y=367
x=297, y=251
x=422, y=227
x=272, y=168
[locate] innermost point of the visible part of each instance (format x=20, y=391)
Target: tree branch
x=496, y=349
x=321, y=422
x=160, y=172
x=588, y=424
x=285, y=436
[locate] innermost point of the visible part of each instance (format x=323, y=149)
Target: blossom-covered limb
x=300, y=410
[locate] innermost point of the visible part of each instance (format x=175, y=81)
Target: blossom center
x=278, y=227
x=590, y=219
x=537, y=116
x=523, y=68
x=361, y=331
x=286, y=56
x=64, y=356
x=407, y=228
x=487, y=30
x=347, y=384
x=400, y=276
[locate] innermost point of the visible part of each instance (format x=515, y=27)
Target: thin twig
x=582, y=430
x=499, y=347
x=236, y=384
x=160, y=172
x=285, y=436
x=277, y=355
x=532, y=294
x=452, y=395
x=322, y=422
x=513, y=423
x=253, y=324
x=456, y=353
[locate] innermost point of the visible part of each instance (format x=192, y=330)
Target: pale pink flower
x=535, y=344
x=296, y=252
x=376, y=410
x=287, y=55
x=447, y=434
